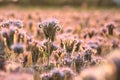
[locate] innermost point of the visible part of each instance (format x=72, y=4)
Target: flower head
x=110, y=27
x=18, y=48
x=50, y=27
x=19, y=23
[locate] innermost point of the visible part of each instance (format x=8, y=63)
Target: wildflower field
x=59, y=44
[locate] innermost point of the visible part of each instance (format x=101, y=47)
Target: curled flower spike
x=50, y=27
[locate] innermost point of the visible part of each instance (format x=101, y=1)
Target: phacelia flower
x=50, y=27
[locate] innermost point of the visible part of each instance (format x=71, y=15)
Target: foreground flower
x=50, y=27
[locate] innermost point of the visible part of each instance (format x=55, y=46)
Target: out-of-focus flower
x=18, y=48
x=77, y=63
x=67, y=62
x=18, y=23
x=78, y=45
x=30, y=24
x=69, y=45
x=4, y=24
x=45, y=76
x=68, y=74
x=88, y=55
x=21, y=36
x=110, y=27
x=4, y=32
x=55, y=74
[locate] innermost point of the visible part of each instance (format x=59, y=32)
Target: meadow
x=59, y=43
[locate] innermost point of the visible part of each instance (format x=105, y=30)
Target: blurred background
x=99, y=3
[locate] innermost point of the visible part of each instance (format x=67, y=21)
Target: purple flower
x=50, y=27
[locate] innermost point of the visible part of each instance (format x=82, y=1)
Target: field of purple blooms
x=59, y=44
